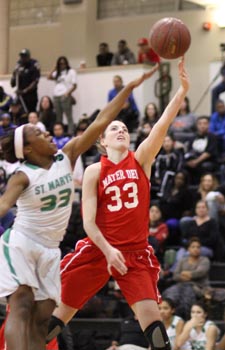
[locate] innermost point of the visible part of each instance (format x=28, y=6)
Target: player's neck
x=116, y=156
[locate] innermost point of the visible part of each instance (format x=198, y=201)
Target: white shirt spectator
x=65, y=81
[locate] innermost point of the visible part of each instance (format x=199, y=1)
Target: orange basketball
x=170, y=38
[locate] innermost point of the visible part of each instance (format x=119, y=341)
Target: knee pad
x=157, y=336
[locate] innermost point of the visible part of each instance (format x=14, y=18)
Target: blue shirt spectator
x=59, y=138
x=217, y=125
x=6, y=124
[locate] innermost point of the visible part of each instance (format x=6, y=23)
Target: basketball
x=170, y=38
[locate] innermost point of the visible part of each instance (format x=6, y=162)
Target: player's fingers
x=121, y=257
x=109, y=269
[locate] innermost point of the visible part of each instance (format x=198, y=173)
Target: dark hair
x=58, y=71
x=205, y=117
x=50, y=103
x=59, y=123
x=188, y=109
x=122, y=41
x=156, y=112
x=8, y=149
x=202, y=305
x=192, y=240
x=170, y=302
x=103, y=44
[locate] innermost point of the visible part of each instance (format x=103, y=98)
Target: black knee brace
x=157, y=336
x=54, y=328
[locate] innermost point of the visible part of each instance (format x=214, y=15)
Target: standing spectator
x=5, y=101
x=218, y=89
x=33, y=119
x=124, y=55
x=46, y=113
x=104, y=57
x=59, y=137
x=25, y=78
x=202, y=151
x=151, y=114
x=6, y=124
x=129, y=113
x=66, y=82
x=217, y=125
x=146, y=54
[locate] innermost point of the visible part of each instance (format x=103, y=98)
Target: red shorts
x=84, y=272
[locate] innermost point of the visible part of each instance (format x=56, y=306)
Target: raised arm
x=80, y=144
x=149, y=148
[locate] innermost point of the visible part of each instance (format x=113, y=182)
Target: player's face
x=39, y=142
x=116, y=136
x=165, y=310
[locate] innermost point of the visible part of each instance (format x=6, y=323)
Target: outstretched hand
x=135, y=83
x=184, y=79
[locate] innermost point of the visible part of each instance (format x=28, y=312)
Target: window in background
x=26, y=12
x=125, y=8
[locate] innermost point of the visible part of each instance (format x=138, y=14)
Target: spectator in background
x=191, y=275
x=5, y=100
x=6, y=124
x=46, y=113
x=217, y=125
x=202, y=151
x=124, y=55
x=59, y=137
x=18, y=115
x=151, y=114
x=173, y=323
x=33, y=119
x=199, y=332
x=25, y=78
x=146, y=54
x=104, y=57
x=183, y=126
x=129, y=113
x=158, y=230
x=168, y=162
x=218, y=89
x=66, y=82
x=142, y=132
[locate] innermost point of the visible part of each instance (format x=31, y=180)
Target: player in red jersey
x=116, y=198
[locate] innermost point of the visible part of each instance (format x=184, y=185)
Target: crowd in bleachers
x=187, y=213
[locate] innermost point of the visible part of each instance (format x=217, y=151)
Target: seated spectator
x=173, y=323
x=5, y=101
x=199, y=332
x=202, y=152
x=124, y=55
x=131, y=336
x=6, y=124
x=46, y=113
x=183, y=126
x=176, y=202
x=158, y=230
x=142, y=132
x=168, y=162
x=59, y=137
x=202, y=226
x=104, y=57
x=129, y=113
x=33, y=119
x=146, y=54
x=217, y=125
x=191, y=275
x=208, y=182
x=151, y=114
x=17, y=112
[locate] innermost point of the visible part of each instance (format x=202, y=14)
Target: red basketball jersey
x=123, y=203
